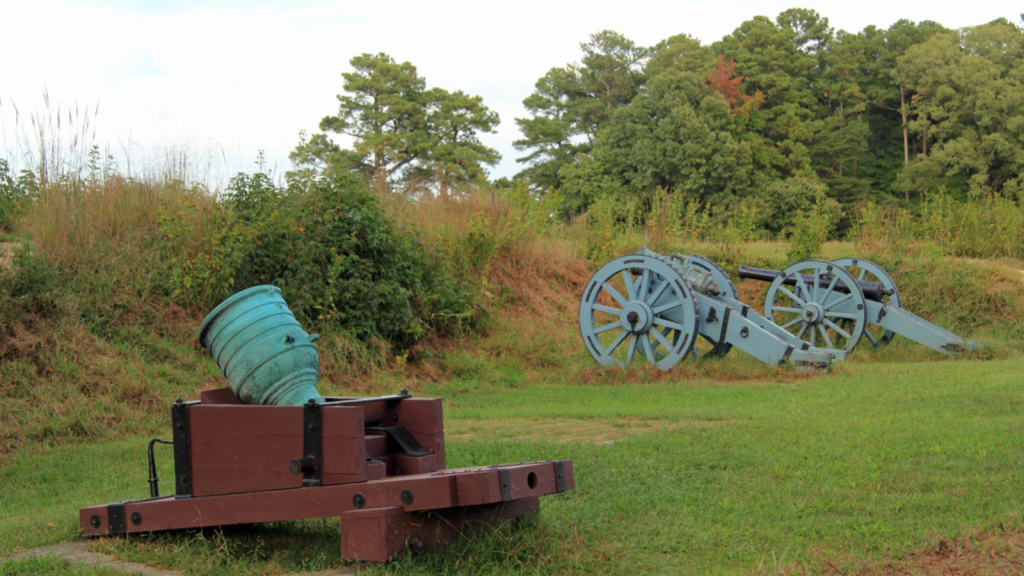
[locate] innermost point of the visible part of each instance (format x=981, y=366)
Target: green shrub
x=786, y=198
x=334, y=252
x=28, y=287
x=988, y=227
x=14, y=193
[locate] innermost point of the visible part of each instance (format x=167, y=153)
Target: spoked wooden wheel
x=818, y=302
x=638, y=306
x=866, y=271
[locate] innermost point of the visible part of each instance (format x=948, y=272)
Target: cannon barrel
x=875, y=291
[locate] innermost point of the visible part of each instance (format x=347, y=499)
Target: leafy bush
x=26, y=288
x=14, y=192
x=202, y=246
x=338, y=258
x=987, y=227
x=808, y=233
x=788, y=197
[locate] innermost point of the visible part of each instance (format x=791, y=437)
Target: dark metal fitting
x=94, y=521
x=406, y=497
x=136, y=518
x=300, y=465
x=358, y=500
x=413, y=543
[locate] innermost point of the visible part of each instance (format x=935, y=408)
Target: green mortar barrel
x=265, y=354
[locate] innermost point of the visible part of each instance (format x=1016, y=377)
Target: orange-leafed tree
x=723, y=79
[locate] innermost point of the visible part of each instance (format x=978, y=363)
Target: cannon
x=833, y=305
x=270, y=448
x=656, y=306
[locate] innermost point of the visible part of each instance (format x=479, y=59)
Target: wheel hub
x=637, y=317
x=813, y=313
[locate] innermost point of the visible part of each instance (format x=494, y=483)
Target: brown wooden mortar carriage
x=376, y=463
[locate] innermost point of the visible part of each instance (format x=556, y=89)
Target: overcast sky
x=223, y=79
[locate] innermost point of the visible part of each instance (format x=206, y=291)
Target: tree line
x=883, y=114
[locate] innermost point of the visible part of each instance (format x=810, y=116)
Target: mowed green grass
x=863, y=464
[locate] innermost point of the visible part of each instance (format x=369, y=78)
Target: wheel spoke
x=661, y=338
x=790, y=324
x=800, y=279
x=831, y=286
x=641, y=291
x=618, y=340
x=607, y=309
x=657, y=292
x=803, y=329
x=863, y=271
x=647, y=347
x=824, y=334
x=669, y=324
x=838, y=330
x=785, y=309
x=630, y=287
x=615, y=294
x=792, y=296
x=871, y=338
x=833, y=304
x=817, y=286
x=608, y=327
x=631, y=349
x=843, y=315
x=814, y=335
x=665, y=307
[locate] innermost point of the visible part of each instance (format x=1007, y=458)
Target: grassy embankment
x=724, y=465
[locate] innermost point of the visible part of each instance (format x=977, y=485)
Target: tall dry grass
x=55, y=142
x=526, y=266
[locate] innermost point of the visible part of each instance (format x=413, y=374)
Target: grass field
x=898, y=461
x=762, y=471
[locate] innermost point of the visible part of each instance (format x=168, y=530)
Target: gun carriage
x=655, y=307
x=270, y=448
x=817, y=302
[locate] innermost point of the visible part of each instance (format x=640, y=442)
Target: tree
x=571, y=105
x=457, y=155
x=384, y=113
x=780, y=60
x=841, y=138
x=397, y=125
x=888, y=99
x=674, y=136
x=723, y=80
x=548, y=134
x=682, y=53
x=610, y=75
x=967, y=110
